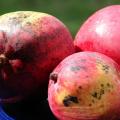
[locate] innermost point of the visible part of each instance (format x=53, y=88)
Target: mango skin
x=85, y=86
x=33, y=44
x=100, y=33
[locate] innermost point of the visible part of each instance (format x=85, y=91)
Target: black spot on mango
x=68, y=100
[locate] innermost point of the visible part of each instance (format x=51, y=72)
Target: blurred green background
x=71, y=12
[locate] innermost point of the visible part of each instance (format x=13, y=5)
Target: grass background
x=71, y=12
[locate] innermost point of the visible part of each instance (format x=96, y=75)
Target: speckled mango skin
x=33, y=44
x=85, y=86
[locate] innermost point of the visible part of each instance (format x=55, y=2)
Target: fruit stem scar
x=54, y=76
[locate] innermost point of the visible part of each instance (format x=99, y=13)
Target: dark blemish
x=95, y=94
x=108, y=84
x=102, y=85
x=99, y=94
x=28, y=23
x=18, y=19
x=69, y=99
x=99, y=97
x=90, y=104
x=83, y=60
x=54, y=77
x=86, y=76
x=105, y=68
x=13, y=18
x=25, y=16
x=80, y=87
x=66, y=103
x=109, y=87
x=76, y=68
x=102, y=92
x=22, y=15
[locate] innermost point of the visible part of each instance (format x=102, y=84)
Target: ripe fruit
x=31, y=45
x=85, y=86
x=100, y=33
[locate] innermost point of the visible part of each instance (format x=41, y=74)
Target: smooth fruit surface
x=100, y=33
x=85, y=86
x=31, y=45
